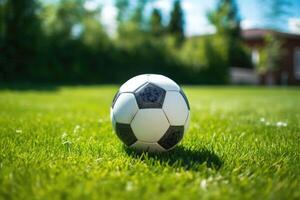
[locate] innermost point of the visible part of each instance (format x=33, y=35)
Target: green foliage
x=226, y=19
x=58, y=143
x=20, y=37
x=193, y=53
x=227, y=22
x=77, y=44
x=138, y=15
x=131, y=19
x=206, y=57
x=157, y=28
x=270, y=54
x=216, y=61
x=176, y=24
x=64, y=42
x=122, y=6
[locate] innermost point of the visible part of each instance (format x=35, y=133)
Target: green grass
x=58, y=143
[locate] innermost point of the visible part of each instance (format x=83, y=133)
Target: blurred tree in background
x=21, y=35
x=176, y=24
x=64, y=42
x=227, y=22
x=157, y=28
x=271, y=54
x=78, y=46
x=273, y=50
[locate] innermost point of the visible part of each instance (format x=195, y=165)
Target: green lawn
x=58, y=143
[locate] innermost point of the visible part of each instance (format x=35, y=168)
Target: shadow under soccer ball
x=180, y=157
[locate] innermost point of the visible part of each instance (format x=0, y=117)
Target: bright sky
x=251, y=13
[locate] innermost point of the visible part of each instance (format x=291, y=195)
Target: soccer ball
x=150, y=112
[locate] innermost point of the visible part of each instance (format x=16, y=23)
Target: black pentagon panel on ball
x=173, y=135
x=185, y=99
x=125, y=133
x=150, y=96
x=115, y=99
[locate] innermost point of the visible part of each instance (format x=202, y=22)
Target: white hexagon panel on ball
x=125, y=108
x=176, y=108
x=149, y=125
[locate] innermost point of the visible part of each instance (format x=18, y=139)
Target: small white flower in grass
x=129, y=186
x=67, y=142
x=18, y=131
x=64, y=139
x=262, y=119
x=281, y=124
x=177, y=174
x=203, y=184
x=76, y=129
x=64, y=135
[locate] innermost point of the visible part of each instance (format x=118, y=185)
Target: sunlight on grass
x=58, y=143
